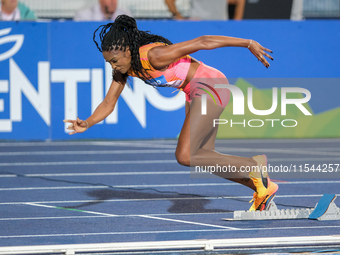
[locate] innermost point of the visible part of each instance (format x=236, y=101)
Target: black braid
x=124, y=33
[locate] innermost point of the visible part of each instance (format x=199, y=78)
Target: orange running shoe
x=264, y=187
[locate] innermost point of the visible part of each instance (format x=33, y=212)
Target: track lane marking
x=323, y=151
x=88, y=152
x=111, y=162
x=94, y=174
x=131, y=162
x=154, y=199
x=98, y=216
x=165, y=232
x=141, y=216
x=157, y=185
x=157, y=142
x=285, y=151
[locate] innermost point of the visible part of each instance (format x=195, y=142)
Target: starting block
x=325, y=209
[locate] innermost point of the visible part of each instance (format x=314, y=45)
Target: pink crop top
x=173, y=76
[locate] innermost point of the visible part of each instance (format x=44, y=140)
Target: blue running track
x=98, y=192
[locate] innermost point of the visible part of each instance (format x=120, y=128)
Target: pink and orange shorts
x=204, y=82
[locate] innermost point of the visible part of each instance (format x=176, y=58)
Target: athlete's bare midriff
x=192, y=70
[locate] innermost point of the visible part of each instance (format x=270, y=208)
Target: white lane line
x=139, y=143
x=53, y=218
x=55, y=207
x=272, y=150
x=189, y=222
x=98, y=216
x=304, y=160
x=159, y=185
x=54, y=188
x=114, y=233
x=100, y=152
x=129, y=162
x=324, y=149
x=301, y=151
x=305, y=151
x=284, y=228
x=141, y=216
x=168, y=232
x=110, y=200
x=120, y=186
x=155, y=199
x=114, y=162
x=95, y=174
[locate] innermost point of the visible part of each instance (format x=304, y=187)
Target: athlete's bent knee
x=182, y=158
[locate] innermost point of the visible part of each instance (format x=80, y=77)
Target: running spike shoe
x=264, y=186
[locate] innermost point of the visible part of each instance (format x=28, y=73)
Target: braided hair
x=123, y=34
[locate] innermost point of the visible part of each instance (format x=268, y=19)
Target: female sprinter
x=158, y=62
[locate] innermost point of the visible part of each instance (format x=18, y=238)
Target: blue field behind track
x=133, y=191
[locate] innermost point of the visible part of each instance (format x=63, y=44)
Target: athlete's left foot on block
x=264, y=186
x=259, y=203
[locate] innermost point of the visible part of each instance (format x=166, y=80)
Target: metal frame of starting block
x=325, y=209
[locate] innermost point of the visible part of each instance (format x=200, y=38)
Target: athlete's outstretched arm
x=162, y=56
x=104, y=108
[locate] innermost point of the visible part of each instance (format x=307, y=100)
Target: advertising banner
x=50, y=71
